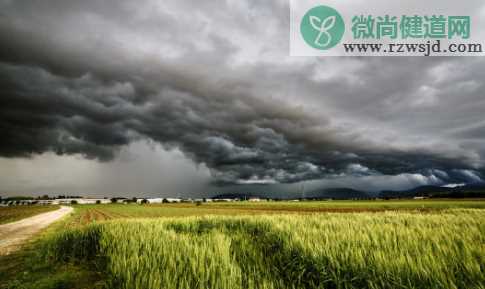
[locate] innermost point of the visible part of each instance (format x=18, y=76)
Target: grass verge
x=15, y=213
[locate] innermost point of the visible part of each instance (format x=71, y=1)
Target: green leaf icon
x=322, y=27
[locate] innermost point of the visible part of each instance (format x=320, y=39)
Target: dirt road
x=14, y=234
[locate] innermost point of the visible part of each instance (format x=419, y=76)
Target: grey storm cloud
x=213, y=79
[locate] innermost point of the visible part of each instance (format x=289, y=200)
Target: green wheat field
x=404, y=245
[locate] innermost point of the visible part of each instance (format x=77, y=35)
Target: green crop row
x=371, y=250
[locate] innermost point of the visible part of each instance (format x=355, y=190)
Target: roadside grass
x=15, y=213
x=25, y=269
x=22, y=270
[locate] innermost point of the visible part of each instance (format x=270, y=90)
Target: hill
x=467, y=191
x=324, y=193
x=336, y=193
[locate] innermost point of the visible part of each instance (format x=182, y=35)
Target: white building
x=159, y=200
x=150, y=200
x=224, y=200
x=48, y=202
x=81, y=201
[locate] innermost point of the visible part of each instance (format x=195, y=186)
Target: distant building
x=150, y=201
x=161, y=200
x=224, y=200
x=81, y=201
x=48, y=202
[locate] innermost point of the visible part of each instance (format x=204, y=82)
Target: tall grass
x=373, y=250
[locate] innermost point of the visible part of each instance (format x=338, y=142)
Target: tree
x=165, y=201
x=144, y=201
x=74, y=202
x=98, y=202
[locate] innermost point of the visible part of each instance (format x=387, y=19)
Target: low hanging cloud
x=91, y=78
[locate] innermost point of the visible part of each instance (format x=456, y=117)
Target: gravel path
x=12, y=235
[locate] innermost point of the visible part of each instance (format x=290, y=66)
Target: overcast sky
x=162, y=98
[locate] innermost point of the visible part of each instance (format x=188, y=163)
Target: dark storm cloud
x=91, y=77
